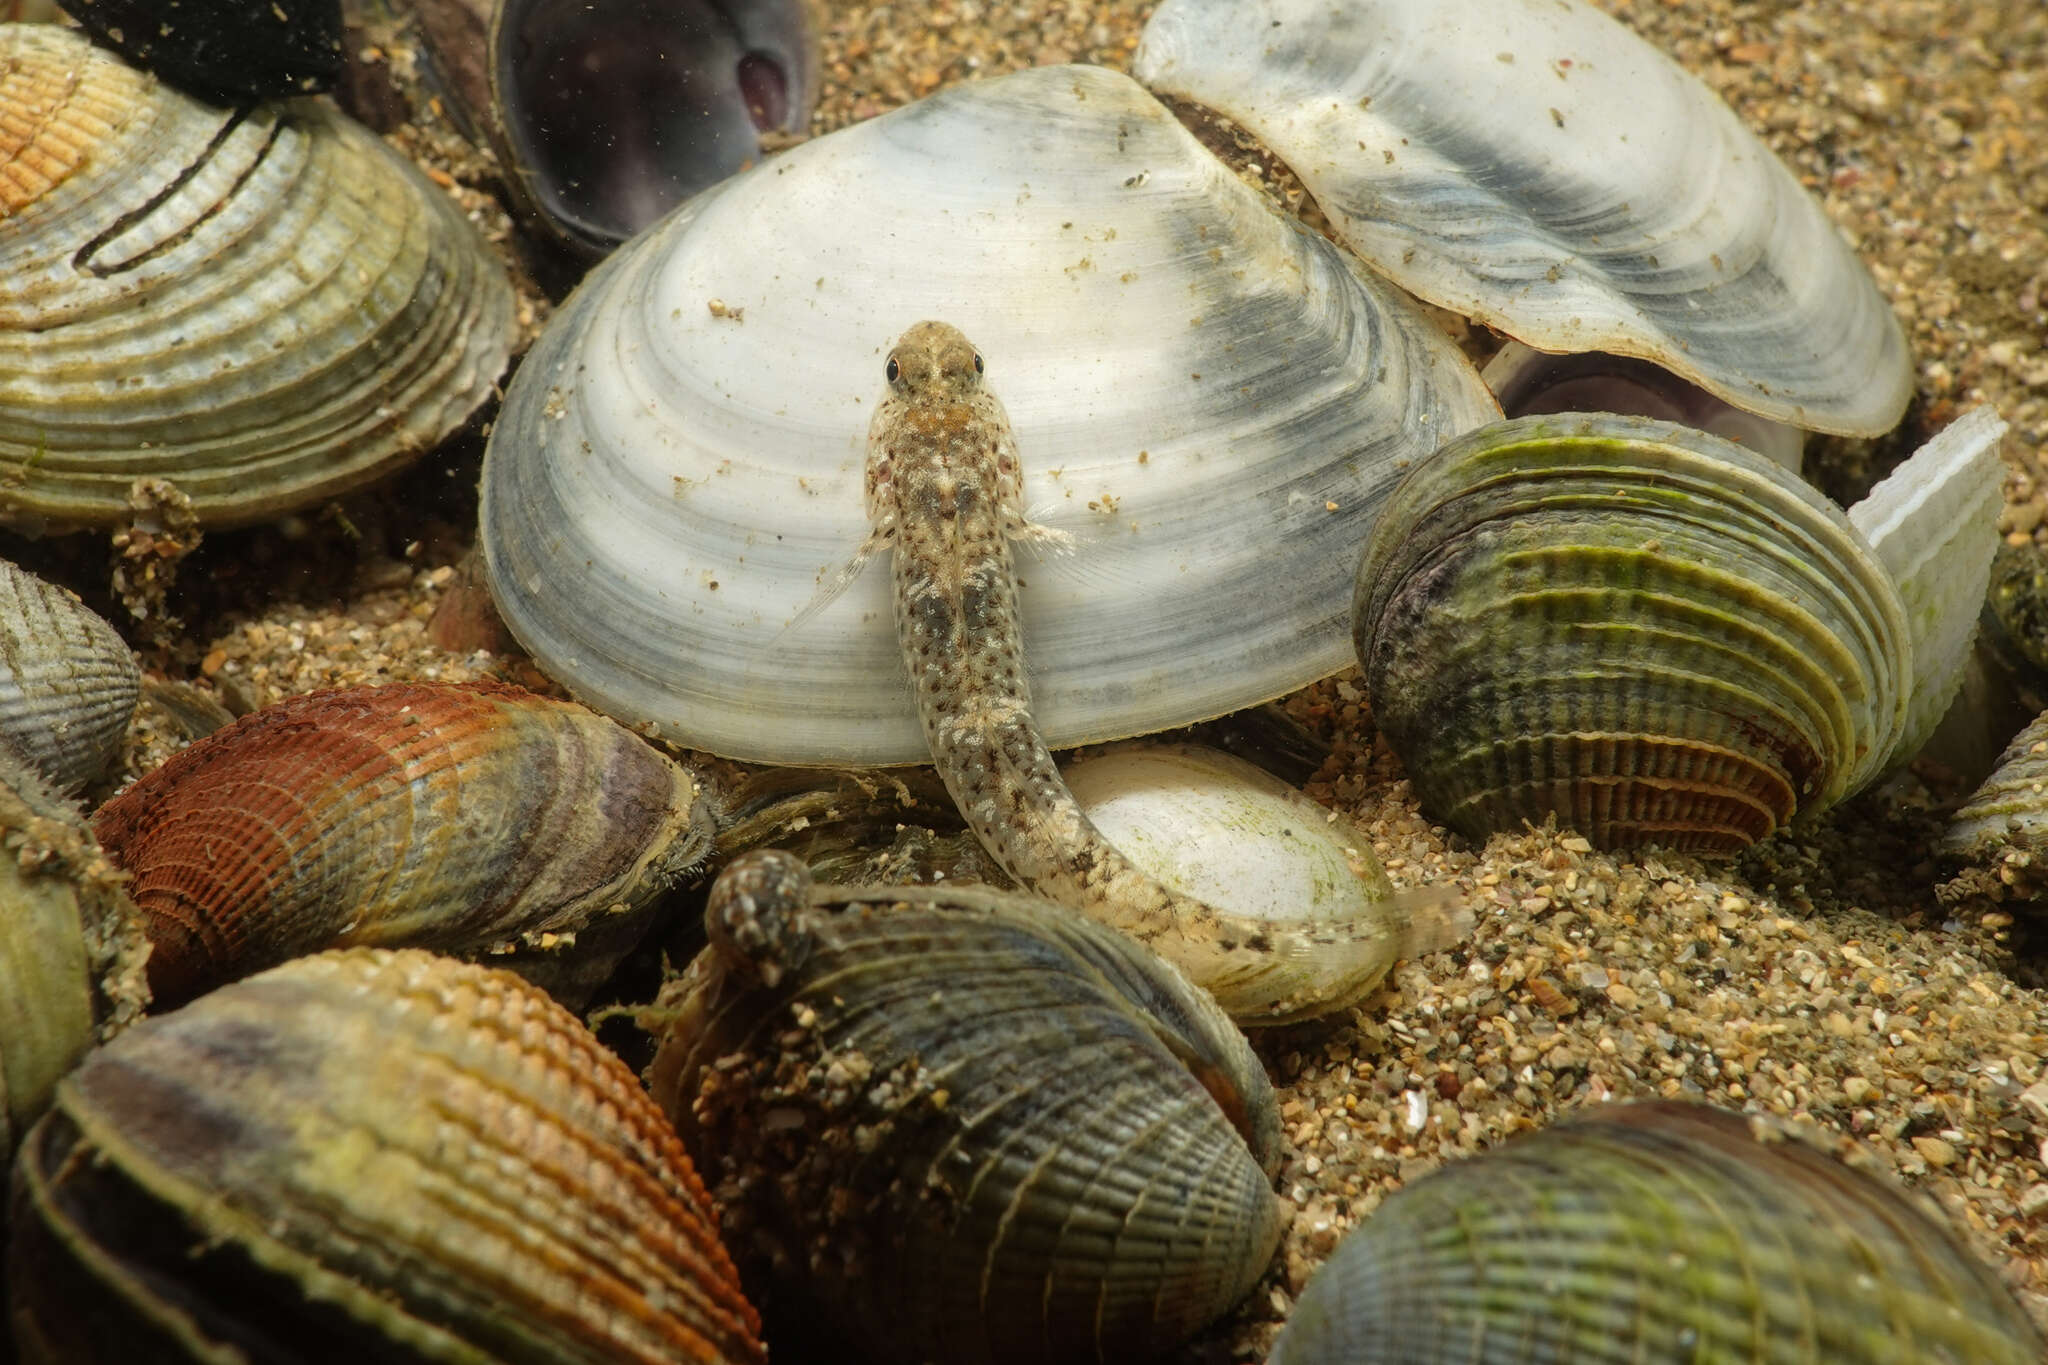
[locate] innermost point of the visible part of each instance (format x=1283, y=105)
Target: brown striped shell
x=1659, y=1234
x=263, y=305
x=968, y=1127
x=68, y=684
x=458, y=817
x=366, y=1156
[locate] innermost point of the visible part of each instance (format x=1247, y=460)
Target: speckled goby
x=944, y=494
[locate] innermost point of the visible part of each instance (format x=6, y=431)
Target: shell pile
x=944, y=1123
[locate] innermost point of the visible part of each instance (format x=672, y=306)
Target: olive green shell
x=1655, y=633
x=71, y=947
x=1655, y=1234
x=968, y=1127
x=368, y=1157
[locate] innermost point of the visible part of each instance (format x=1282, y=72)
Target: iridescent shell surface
x=68, y=684
x=373, y=1156
x=1537, y=166
x=263, y=305
x=1659, y=635
x=1656, y=1234
x=968, y=1127
x=466, y=818
x=1210, y=399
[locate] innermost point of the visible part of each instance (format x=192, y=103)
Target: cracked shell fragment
x=366, y=1156
x=1212, y=400
x=1536, y=165
x=264, y=305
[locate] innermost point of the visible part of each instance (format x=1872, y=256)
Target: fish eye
x=894, y=371
x=977, y=362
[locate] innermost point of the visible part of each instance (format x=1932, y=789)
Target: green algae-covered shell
x=1655, y=1234
x=71, y=947
x=1655, y=633
x=968, y=1127
x=365, y=1156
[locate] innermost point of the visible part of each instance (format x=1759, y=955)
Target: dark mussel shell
x=612, y=113
x=227, y=51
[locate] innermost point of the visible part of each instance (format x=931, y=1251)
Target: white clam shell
x=1210, y=399
x=264, y=305
x=1536, y=165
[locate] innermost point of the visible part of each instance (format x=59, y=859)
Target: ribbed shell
x=969, y=1127
x=366, y=1156
x=1536, y=165
x=2010, y=811
x=457, y=817
x=1655, y=633
x=265, y=306
x=1654, y=1234
x=68, y=684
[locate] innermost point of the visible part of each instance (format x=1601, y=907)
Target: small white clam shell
x=1210, y=399
x=1536, y=165
x=1226, y=831
x=1213, y=826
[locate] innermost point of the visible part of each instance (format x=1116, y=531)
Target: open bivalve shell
x=1537, y=166
x=369, y=1156
x=264, y=306
x=1212, y=400
x=608, y=113
x=1660, y=1234
x=466, y=818
x=1660, y=636
x=968, y=1127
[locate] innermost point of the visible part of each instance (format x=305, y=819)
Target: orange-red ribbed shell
x=458, y=817
x=383, y=1156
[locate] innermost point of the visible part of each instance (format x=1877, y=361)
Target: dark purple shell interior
x=616, y=111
